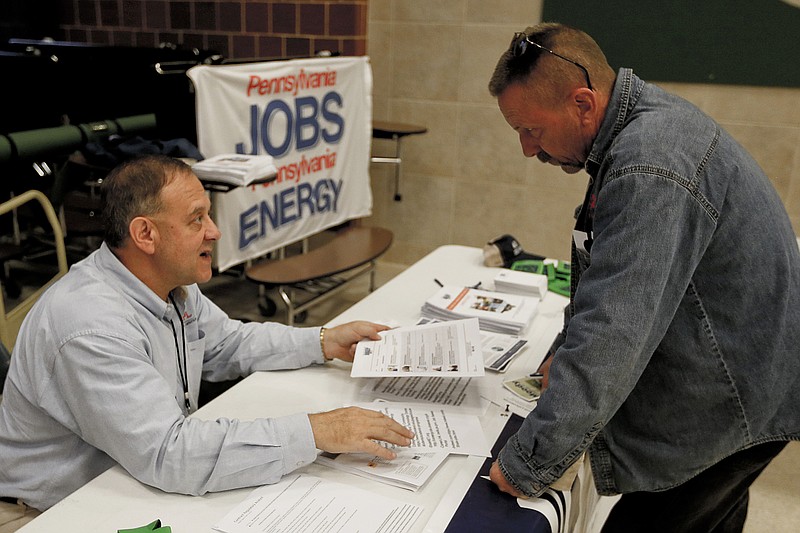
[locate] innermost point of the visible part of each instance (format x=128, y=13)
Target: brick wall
x=238, y=29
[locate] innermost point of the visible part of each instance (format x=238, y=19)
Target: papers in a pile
x=437, y=429
x=235, y=169
x=496, y=311
x=498, y=348
x=308, y=503
x=409, y=470
x=451, y=349
x=463, y=395
x=518, y=282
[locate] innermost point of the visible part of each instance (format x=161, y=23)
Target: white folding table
x=115, y=500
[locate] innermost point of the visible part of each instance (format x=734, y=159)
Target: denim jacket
x=682, y=343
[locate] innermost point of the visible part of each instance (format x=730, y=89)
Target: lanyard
x=181, y=363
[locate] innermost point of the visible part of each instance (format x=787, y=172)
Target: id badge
x=583, y=241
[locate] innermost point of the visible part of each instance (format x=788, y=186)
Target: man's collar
x=623, y=98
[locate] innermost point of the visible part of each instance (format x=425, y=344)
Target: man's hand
x=352, y=429
x=496, y=475
x=544, y=370
x=340, y=341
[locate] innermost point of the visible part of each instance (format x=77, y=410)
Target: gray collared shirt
x=95, y=380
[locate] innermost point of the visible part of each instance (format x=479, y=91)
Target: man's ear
x=586, y=105
x=143, y=234
x=584, y=98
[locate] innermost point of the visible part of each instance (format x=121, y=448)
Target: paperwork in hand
x=496, y=311
x=451, y=349
x=409, y=470
x=308, y=503
x=236, y=169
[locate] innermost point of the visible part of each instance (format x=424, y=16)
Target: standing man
x=108, y=363
x=678, y=369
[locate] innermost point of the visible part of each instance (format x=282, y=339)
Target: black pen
x=439, y=283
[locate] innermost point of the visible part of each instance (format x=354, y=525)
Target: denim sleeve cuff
x=297, y=441
x=516, y=470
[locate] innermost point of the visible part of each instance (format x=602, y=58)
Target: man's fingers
x=353, y=429
x=373, y=448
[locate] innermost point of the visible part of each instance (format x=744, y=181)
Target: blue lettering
x=336, y=191
x=306, y=122
x=253, y=133
x=245, y=224
x=287, y=203
x=331, y=116
x=274, y=107
x=287, y=206
x=323, y=199
x=304, y=125
x=304, y=192
x=267, y=214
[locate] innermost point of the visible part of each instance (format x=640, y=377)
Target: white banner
x=314, y=117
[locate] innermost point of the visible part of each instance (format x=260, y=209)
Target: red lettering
x=254, y=82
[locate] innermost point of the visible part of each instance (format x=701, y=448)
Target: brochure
x=451, y=349
x=409, y=470
x=497, y=312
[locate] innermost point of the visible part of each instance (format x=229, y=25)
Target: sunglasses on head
x=522, y=43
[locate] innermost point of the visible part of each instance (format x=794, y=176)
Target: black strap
x=8, y=499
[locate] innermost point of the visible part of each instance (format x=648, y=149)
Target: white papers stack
x=438, y=433
x=495, y=311
x=235, y=169
x=409, y=470
x=518, y=282
x=307, y=503
x=498, y=348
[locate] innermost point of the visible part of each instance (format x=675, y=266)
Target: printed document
x=449, y=349
x=409, y=470
x=498, y=348
x=436, y=428
x=459, y=394
x=308, y=503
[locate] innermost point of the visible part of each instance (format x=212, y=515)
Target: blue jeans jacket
x=682, y=342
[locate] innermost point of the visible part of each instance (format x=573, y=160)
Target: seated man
x=108, y=363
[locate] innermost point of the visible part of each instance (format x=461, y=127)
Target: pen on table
x=439, y=283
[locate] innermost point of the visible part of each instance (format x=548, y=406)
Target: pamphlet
x=437, y=429
x=409, y=470
x=451, y=349
x=519, y=282
x=529, y=388
x=496, y=311
x=498, y=349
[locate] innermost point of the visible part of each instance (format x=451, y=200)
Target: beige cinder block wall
x=466, y=181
